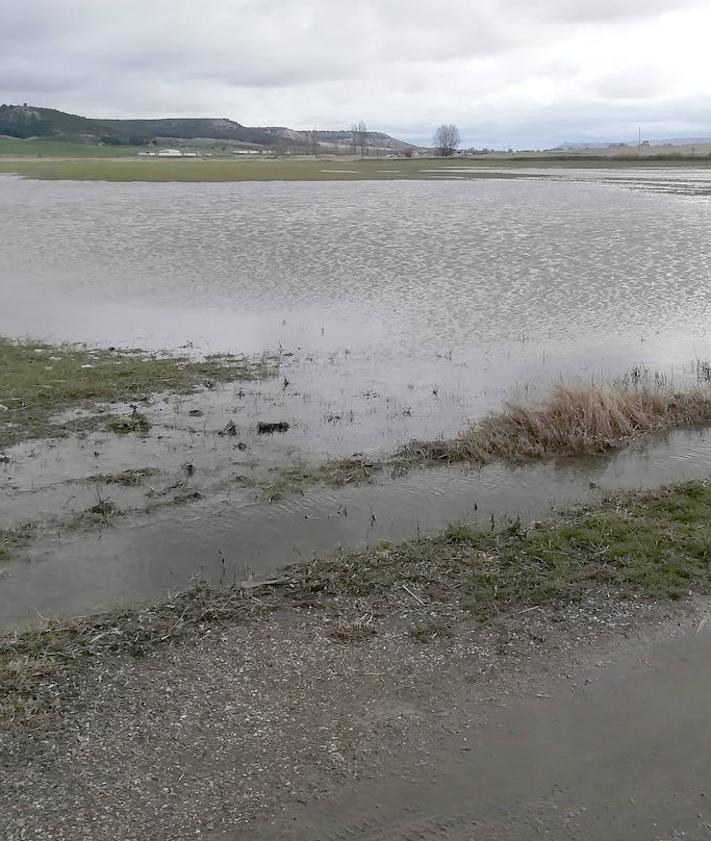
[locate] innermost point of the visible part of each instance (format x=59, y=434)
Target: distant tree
x=447, y=139
x=359, y=138
x=313, y=139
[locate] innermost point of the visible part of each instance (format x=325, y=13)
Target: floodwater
x=231, y=537
x=398, y=310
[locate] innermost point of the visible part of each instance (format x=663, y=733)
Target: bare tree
x=359, y=138
x=447, y=139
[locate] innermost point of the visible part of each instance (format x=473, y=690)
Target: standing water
x=398, y=310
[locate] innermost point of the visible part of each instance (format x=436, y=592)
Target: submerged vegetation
x=135, y=422
x=337, y=472
x=39, y=381
x=103, y=513
x=655, y=544
x=13, y=539
x=129, y=478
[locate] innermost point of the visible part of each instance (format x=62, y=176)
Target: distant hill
x=576, y=146
x=669, y=141
x=682, y=141
x=25, y=121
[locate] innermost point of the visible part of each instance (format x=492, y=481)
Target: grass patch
x=58, y=148
x=573, y=421
x=38, y=381
x=13, y=539
x=114, y=168
x=657, y=544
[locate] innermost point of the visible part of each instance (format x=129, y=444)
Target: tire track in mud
x=464, y=826
x=432, y=828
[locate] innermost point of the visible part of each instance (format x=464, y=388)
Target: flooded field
x=396, y=310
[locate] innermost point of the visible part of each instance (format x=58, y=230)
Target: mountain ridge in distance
x=27, y=121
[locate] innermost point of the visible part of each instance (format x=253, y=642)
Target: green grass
x=199, y=170
x=284, y=169
x=657, y=544
x=62, y=149
x=37, y=381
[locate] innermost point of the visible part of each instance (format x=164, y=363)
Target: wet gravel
x=199, y=739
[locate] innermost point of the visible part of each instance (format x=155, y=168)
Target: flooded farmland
x=394, y=310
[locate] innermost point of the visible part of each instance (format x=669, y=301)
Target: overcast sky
x=528, y=73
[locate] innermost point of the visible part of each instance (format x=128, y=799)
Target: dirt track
x=623, y=755
x=585, y=722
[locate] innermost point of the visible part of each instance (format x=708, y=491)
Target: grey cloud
x=598, y=11
x=632, y=84
x=400, y=62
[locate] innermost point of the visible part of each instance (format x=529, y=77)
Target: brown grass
x=574, y=420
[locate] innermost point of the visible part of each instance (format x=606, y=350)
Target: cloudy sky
x=528, y=73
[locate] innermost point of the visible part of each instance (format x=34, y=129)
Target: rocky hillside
x=25, y=121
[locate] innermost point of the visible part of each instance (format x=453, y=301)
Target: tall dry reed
x=574, y=420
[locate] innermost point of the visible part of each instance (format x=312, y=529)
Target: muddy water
x=398, y=311
x=232, y=537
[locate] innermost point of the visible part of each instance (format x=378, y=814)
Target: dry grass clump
x=574, y=420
